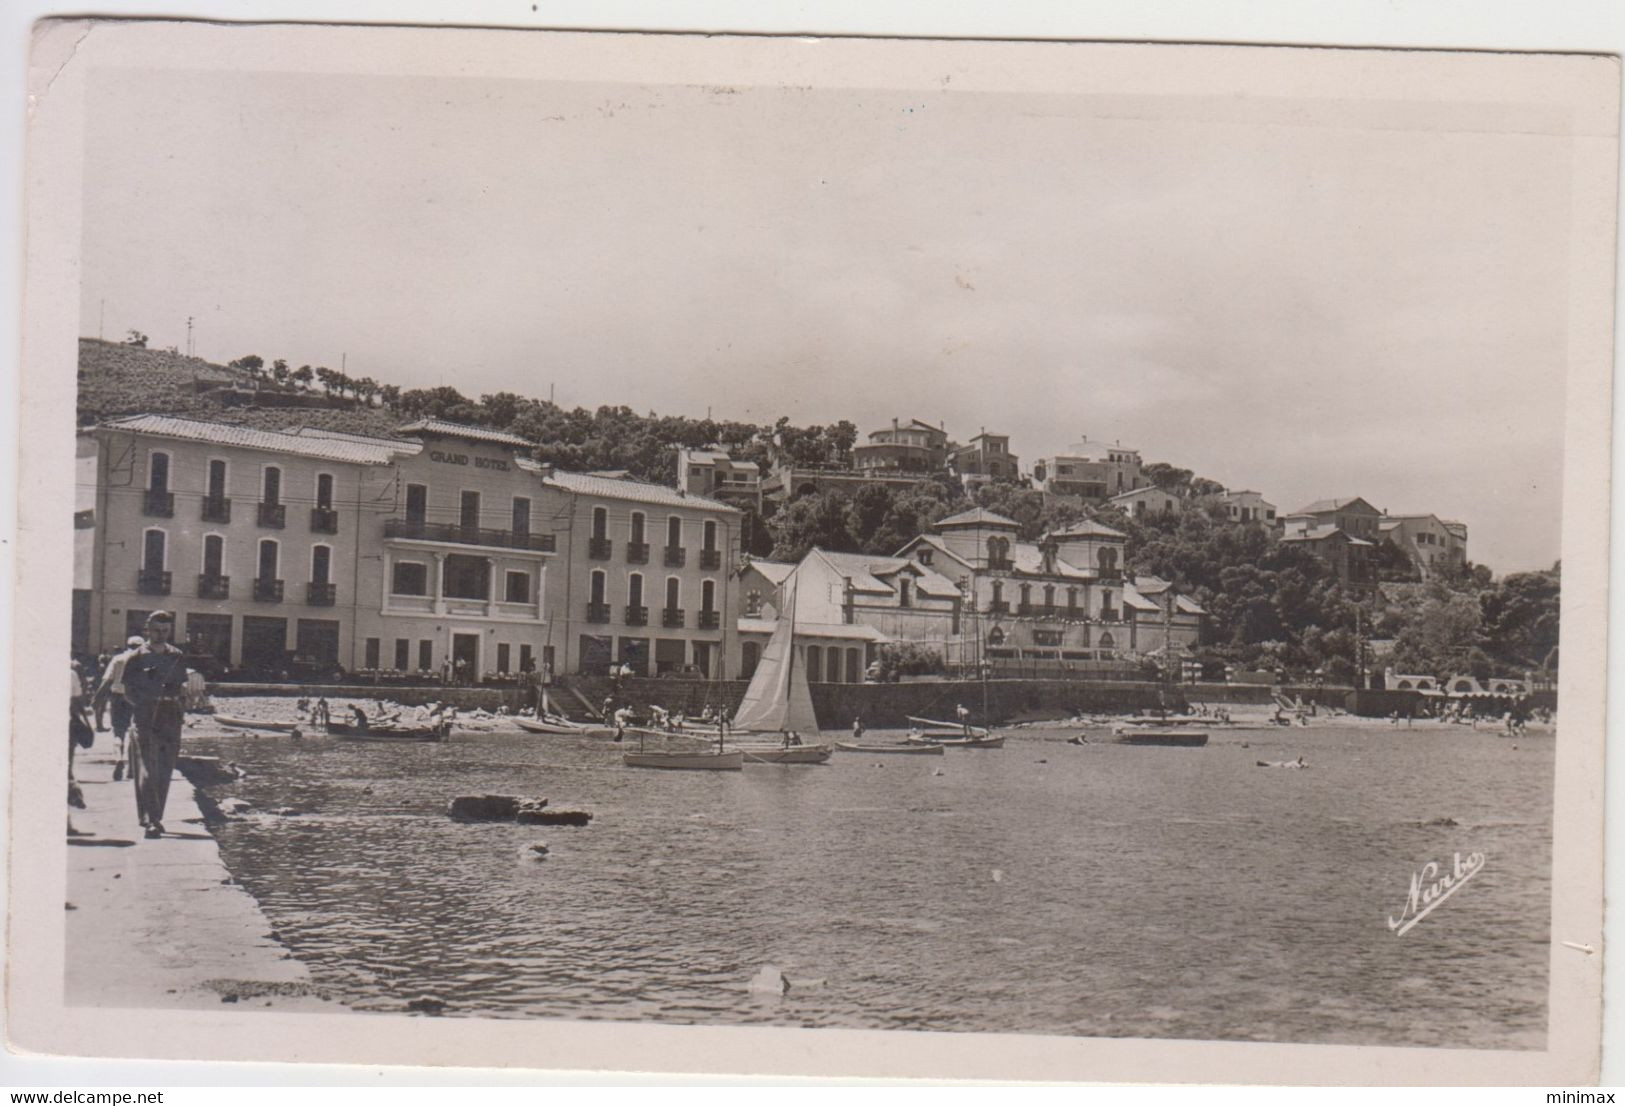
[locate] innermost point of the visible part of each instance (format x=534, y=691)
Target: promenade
x=162, y=923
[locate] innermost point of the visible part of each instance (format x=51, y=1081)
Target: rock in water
x=537, y=850
x=427, y=1004
x=998, y=875
x=553, y=818
x=802, y=984
x=768, y=981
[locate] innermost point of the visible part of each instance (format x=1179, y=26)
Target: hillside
x=117, y=379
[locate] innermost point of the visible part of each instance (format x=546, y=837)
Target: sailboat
x=550, y=721
x=778, y=701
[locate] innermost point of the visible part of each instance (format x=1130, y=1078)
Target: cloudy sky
x=1306, y=301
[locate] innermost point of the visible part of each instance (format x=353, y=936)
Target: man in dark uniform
x=155, y=685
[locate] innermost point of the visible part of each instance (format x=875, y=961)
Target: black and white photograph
x=986, y=559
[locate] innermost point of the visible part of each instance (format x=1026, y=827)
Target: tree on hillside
x=303, y=376
x=391, y=395
x=135, y=338
x=253, y=364
x=279, y=371
x=813, y=520
x=1521, y=617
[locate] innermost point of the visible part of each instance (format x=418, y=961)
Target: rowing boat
x=914, y=750
x=952, y=740
x=785, y=754
x=255, y=724
x=550, y=726
x=959, y=730
x=1174, y=737
x=397, y=735
x=713, y=762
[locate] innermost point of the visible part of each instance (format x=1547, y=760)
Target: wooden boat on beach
x=714, y=762
x=955, y=728
x=388, y=735
x=551, y=726
x=255, y=724
x=912, y=750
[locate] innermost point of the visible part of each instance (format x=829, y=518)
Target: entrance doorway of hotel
x=265, y=644
x=465, y=657
x=702, y=658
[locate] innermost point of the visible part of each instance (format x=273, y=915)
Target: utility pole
x=101, y=322
x=188, y=335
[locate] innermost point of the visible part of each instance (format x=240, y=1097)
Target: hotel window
x=417, y=502
x=271, y=486
x=324, y=492
x=637, y=527
x=525, y=662
x=708, y=595
x=1049, y=595
x=214, y=555
x=672, y=593
x=502, y=656
x=372, y=655
x=426, y=655
x=1071, y=599
x=1026, y=595
x=518, y=587
x=521, y=515
x=634, y=590
x=268, y=559
x=998, y=592
x=469, y=516
x=154, y=545
x=597, y=593
x=158, y=476
x=217, y=480
x=904, y=599
x=600, y=523
x=674, y=532
x=925, y=556
x=710, y=536
x=403, y=654
x=467, y=577
x=410, y=578
x=321, y=561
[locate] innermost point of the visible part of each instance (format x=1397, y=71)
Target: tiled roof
x=359, y=452
x=1147, y=490
x=447, y=428
x=604, y=487
x=1087, y=528
x=777, y=572
x=865, y=572
x=404, y=445
x=978, y=516
x=1321, y=506
x=1322, y=533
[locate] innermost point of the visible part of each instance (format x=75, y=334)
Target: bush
x=906, y=658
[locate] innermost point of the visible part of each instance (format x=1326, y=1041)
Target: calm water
x=1099, y=890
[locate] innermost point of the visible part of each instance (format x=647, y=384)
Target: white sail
x=777, y=700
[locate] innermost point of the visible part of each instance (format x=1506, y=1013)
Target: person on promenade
x=154, y=683
x=110, y=695
x=964, y=718
x=103, y=660
x=857, y=728
x=77, y=728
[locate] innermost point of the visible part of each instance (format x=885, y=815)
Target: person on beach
x=321, y=714
x=623, y=718
x=857, y=728
x=154, y=683
x=110, y=696
x=964, y=718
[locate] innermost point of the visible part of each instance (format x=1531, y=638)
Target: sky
x=1309, y=301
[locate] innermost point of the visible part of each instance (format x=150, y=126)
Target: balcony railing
x=671, y=617
x=598, y=612
x=157, y=503
x=324, y=520
x=675, y=556
x=637, y=552
x=320, y=595
x=267, y=591
x=1109, y=614
x=1109, y=575
x=152, y=581
x=710, y=620
x=1000, y=564
x=710, y=558
x=637, y=616
x=216, y=508
x=273, y=515
x=416, y=530
x=999, y=606
x=213, y=587
x=598, y=549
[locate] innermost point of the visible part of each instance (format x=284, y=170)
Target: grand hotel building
x=444, y=549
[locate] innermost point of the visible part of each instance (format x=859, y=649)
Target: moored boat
x=550, y=726
x=398, y=735
x=954, y=728
x=956, y=740
x=914, y=750
x=714, y=762
x=255, y=724
x=785, y=754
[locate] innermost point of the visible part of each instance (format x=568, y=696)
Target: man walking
x=155, y=684
x=110, y=693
